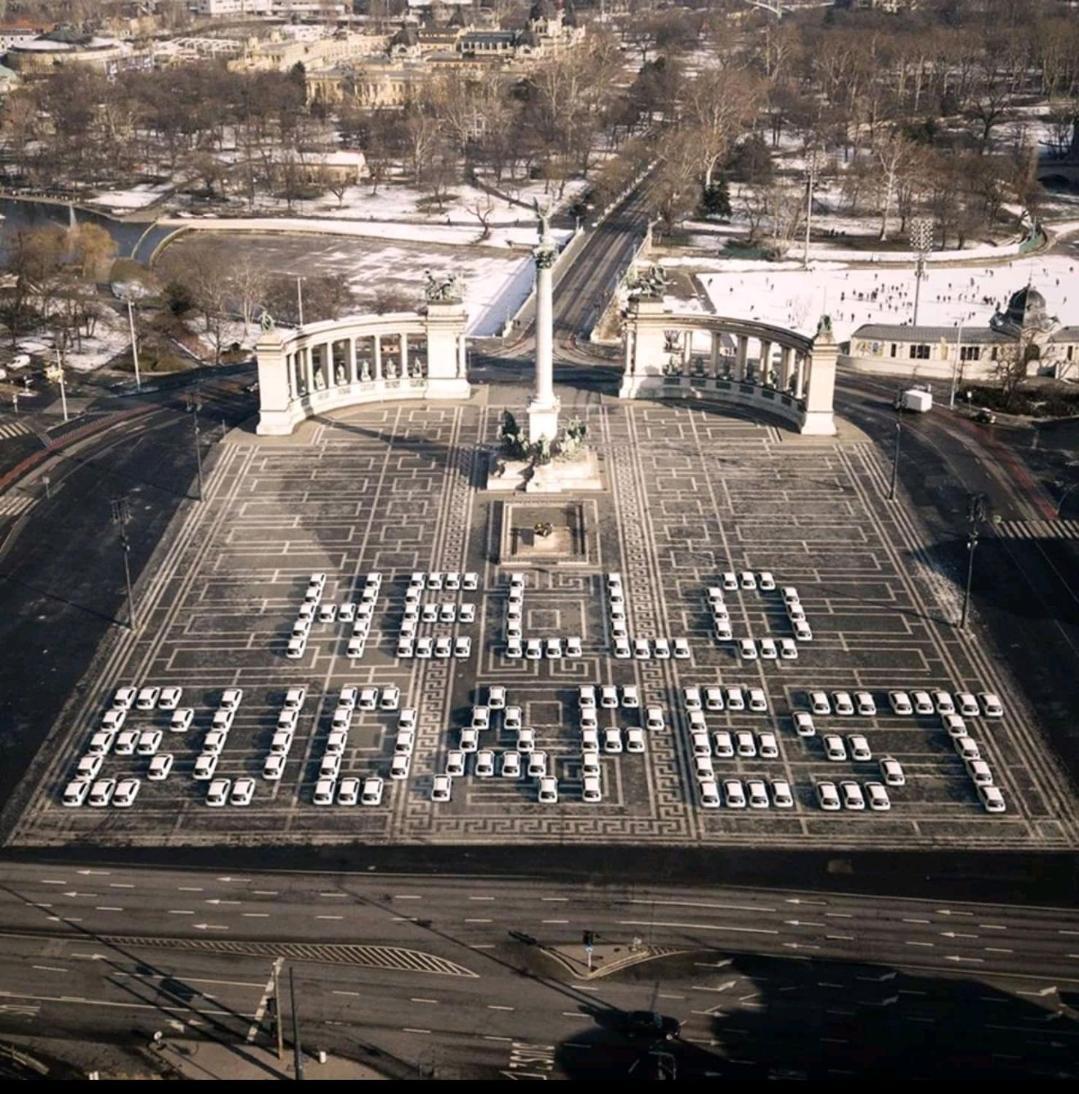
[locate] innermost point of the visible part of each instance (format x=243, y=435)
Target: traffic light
x=588, y=938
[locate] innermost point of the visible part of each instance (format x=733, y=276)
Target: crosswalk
x=14, y=429
x=11, y=505
x=1038, y=529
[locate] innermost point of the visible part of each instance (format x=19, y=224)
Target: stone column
x=445, y=322
x=646, y=354
x=277, y=410
x=740, y=359
x=352, y=360
x=687, y=352
x=462, y=357
x=766, y=361
x=800, y=377
x=308, y=371
x=378, y=356
x=404, y=354
x=713, y=360
x=821, y=388
x=543, y=408
x=784, y=368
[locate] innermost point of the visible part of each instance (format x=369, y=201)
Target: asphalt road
x=418, y=975
x=1025, y=593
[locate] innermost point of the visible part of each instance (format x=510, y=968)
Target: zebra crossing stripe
x=1038, y=529
x=13, y=429
x=14, y=504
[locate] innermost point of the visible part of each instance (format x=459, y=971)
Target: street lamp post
x=955, y=366
x=812, y=167
x=193, y=406
x=975, y=515
x=895, y=459
x=921, y=236
x=121, y=514
x=134, y=343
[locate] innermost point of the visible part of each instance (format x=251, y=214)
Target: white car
x=630, y=696
x=729, y=580
x=514, y=649
x=496, y=697
x=734, y=794
x=622, y=649
x=661, y=649
x=325, y=790
x=589, y=763
x=722, y=744
x=526, y=740
x=342, y=719
x=586, y=697
x=281, y=742
x=327, y=612
x=608, y=697
x=336, y=742
x=126, y=742
x=744, y=744
x=734, y=698
x=843, y=703
x=511, y=765
x=89, y=766
x=101, y=792
x=641, y=649
x=709, y=794
x=713, y=699
x=653, y=719
x=589, y=740
x=714, y=595
x=124, y=698
x=766, y=581
x=879, y=801
x=160, y=766
x=758, y=702
x=944, y=702
x=991, y=706
x=169, y=699
x=425, y=647
x=243, y=790
x=307, y=611
x=796, y=613
x=453, y=581
x=769, y=650
x=818, y=703
x=512, y=719
x=748, y=649
x=434, y=580
x=467, y=613
x=612, y=739
x=923, y=703
x=391, y=698
x=223, y=720
x=700, y=744
x=681, y=649
x=348, y=698
x=967, y=747
x=691, y=698
x=127, y=790
x=406, y=719
x=991, y=798
x=147, y=698
x=441, y=788
x=368, y=699
x=149, y=742
x=447, y=612
x=399, y=766
x=470, y=739
x=294, y=698
x=782, y=797
x=273, y=767
x=828, y=796
x=181, y=720
x=554, y=648
x=533, y=649
x=485, y=764
x=720, y=616
x=296, y=648
x=748, y=580
x=205, y=765
x=900, y=703
x=444, y=647
x=892, y=771
x=702, y=768
x=348, y=791
x=634, y=739
x=470, y=581
x=517, y=582
x=217, y=793
x=114, y=719
x=404, y=742
x=75, y=792
x=758, y=794
x=455, y=762
x=723, y=631
x=481, y=718
x=803, y=724
x=834, y=748
x=802, y=631
x=231, y=698
x=100, y=743
x=548, y=790
x=346, y=612
x=592, y=792
x=852, y=795
x=372, y=791
x=697, y=722
x=537, y=765
x=980, y=772
x=867, y=708
x=788, y=650
x=767, y=746
x=859, y=747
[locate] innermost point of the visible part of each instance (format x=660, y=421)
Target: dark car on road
x=649, y=1023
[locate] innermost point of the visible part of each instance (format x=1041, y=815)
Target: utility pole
x=895, y=459
x=955, y=366
x=299, y=298
x=193, y=405
x=279, y=1011
x=134, y=342
x=57, y=373
x=121, y=514
x=296, y=1048
x=975, y=515
x=812, y=167
x=921, y=235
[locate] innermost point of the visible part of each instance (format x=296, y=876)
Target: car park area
x=422, y=658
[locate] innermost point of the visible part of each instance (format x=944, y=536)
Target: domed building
x=65, y=45
x=931, y=352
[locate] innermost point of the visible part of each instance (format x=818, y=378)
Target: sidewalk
x=213, y=1060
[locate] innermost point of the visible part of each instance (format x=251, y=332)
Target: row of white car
x=360, y=615
x=755, y=793
x=964, y=703
x=643, y=649
x=731, y=697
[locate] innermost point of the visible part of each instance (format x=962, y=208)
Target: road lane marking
x=477, y=920
x=107, y=908
x=423, y=1000
x=479, y=898
x=121, y=885
x=499, y=1006
x=180, y=911
x=554, y=920
x=555, y=899
x=190, y=889
x=413, y=1029
x=48, y=968
x=82, y=1001
x=264, y=892
x=929, y=944
x=329, y=917
x=695, y=926
x=255, y=915
x=998, y=949
x=357, y=994
x=702, y=904
x=335, y=893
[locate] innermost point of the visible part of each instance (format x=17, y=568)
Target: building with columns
x=754, y=365
x=360, y=359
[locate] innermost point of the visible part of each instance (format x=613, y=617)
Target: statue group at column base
x=563, y=465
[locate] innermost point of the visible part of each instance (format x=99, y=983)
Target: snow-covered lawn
x=788, y=296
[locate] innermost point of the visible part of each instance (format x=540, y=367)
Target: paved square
x=692, y=492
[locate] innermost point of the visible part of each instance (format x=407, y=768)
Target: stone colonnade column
x=740, y=359
x=543, y=408
x=820, y=390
